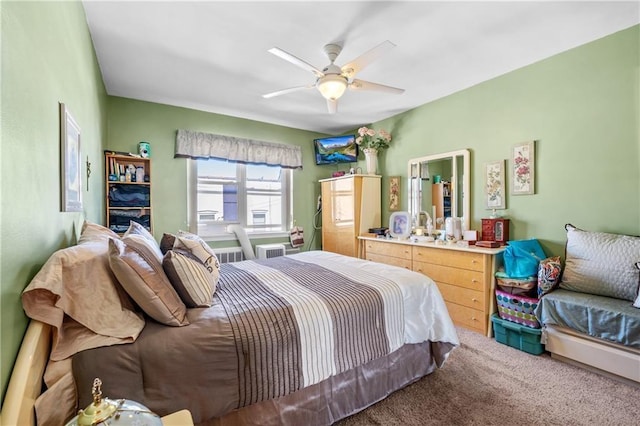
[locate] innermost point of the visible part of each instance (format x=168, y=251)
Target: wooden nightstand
x=179, y=418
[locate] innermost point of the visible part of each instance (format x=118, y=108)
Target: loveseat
x=593, y=318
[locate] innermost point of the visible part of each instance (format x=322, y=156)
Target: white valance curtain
x=200, y=145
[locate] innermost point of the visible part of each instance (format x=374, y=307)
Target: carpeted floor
x=487, y=383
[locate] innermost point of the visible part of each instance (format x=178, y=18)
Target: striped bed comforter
x=276, y=326
x=297, y=323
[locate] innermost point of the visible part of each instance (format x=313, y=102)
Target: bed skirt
x=345, y=394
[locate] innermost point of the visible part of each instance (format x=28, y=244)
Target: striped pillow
x=196, y=246
x=190, y=277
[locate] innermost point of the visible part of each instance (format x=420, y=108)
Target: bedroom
x=581, y=104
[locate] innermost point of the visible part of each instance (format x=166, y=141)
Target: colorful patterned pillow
x=601, y=263
x=548, y=275
x=637, y=302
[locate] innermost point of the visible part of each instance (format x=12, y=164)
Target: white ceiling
x=213, y=55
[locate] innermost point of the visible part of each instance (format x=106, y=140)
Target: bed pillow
x=200, y=249
x=94, y=232
x=601, y=263
x=140, y=273
x=190, y=278
x=76, y=293
x=137, y=229
x=637, y=302
x=166, y=242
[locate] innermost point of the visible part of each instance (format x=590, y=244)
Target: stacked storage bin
x=515, y=324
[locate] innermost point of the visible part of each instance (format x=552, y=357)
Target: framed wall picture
x=494, y=185
x=70, y=163
x=394, y=193
x=523, y=166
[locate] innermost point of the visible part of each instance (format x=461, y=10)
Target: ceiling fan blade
x=332, y=106
x=352, y=68
x=296, y=61
x=367, y=85
x=289, y=90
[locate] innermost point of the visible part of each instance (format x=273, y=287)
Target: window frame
x=221, y=233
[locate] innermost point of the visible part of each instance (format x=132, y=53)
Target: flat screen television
x=336, y=150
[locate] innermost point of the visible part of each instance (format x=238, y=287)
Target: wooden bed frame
x=612, y=360
x=26, y=382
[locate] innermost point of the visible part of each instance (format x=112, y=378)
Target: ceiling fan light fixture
x=332, y=86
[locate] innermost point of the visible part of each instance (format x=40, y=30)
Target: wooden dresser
x=465, y=276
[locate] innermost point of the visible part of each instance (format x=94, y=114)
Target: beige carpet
x=488, y=383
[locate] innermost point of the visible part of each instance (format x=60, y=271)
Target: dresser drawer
x=473, y=280
x=467, y=317
x=389, y=260
x=456, y=259
x=388, y=249
x=462, y=296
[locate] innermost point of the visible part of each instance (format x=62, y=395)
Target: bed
x=309, y=338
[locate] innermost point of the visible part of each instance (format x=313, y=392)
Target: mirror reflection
x=439, y=188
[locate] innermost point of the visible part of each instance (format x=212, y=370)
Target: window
x=222, y=193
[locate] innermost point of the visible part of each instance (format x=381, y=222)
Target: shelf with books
x=128, y=191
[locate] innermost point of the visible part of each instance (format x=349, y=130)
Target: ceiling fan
x=333, y=80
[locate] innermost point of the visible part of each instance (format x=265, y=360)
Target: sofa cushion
x=601, y=263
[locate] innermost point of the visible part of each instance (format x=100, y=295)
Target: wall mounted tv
x=336, y=150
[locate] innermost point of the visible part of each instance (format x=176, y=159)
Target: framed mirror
x=439, y=188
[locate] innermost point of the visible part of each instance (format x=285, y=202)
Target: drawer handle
x=474, y=299
x=473, y=319
x=473, y=280
x=474, y=261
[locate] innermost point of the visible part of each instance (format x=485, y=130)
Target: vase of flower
x=371, y=158
x=371, y=142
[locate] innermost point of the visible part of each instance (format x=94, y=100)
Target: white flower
x=369, y=138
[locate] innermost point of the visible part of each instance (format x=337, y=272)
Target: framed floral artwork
x=70, y=163
x=523, y=166
x=394, y=193
x=494, y=185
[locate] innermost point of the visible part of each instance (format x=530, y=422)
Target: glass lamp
x=105, y=411
x=332, y=86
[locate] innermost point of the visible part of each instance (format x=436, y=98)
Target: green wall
x=582, y=108
x=132, y=121
x=47, y=57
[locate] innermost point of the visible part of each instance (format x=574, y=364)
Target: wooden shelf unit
x=136, y=204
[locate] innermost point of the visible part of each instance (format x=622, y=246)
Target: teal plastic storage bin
x=517, y=336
